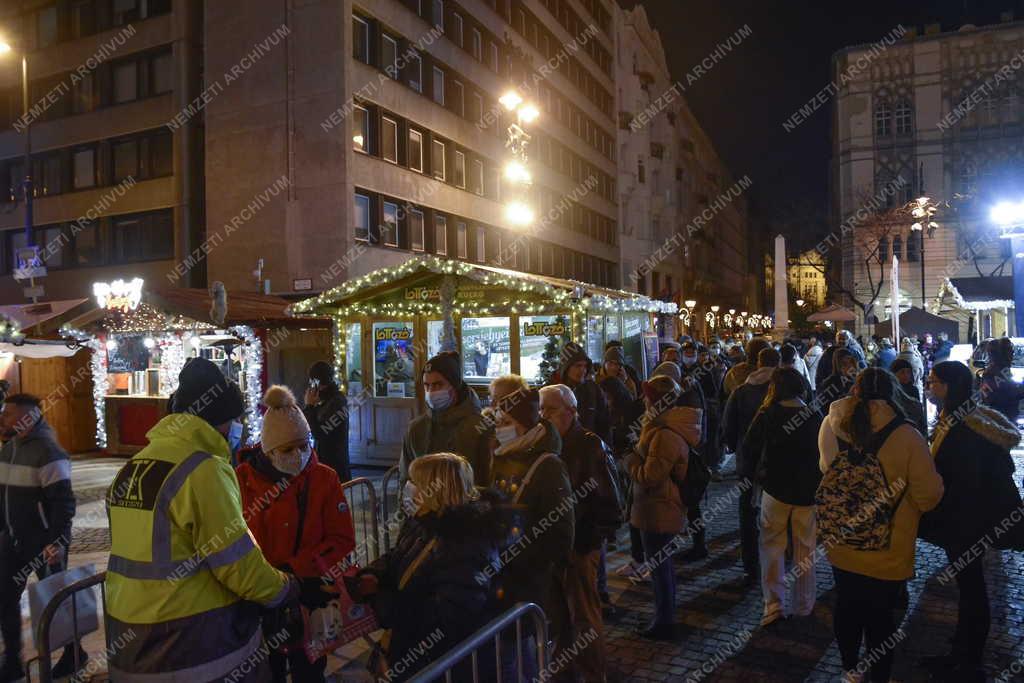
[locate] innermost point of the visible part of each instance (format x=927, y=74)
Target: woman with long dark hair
x=872, y=460
x=782, y=445
x=840, y=381
x=971, y=444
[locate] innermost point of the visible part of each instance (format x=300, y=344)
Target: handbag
x=340, y=621
x=64, y=629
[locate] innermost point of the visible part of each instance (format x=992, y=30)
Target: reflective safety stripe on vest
x=247, y=656
x=162, y=566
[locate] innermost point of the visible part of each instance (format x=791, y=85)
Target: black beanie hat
x=323, y=372
x=205, y=392
x=573, y=353
x=448, y=365
x=523, y=405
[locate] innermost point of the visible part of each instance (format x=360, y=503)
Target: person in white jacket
x=811, y=359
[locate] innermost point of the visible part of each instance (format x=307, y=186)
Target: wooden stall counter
x=129, y=417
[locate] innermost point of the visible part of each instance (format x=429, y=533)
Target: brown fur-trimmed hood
x=994, y=427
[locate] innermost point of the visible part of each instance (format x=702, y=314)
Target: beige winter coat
x=661, y=455
x=905, y=458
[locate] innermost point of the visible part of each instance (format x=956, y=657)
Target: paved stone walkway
x=720, y=639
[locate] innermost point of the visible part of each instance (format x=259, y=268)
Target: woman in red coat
x=296, y=509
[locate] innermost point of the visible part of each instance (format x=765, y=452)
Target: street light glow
x=5, y=47
x=1008, y=213
x=528, y=113
x=510, y=100
x=516, y=172
x=518, y=213
x=690, y=303
x=800, y=303
x=714, y=309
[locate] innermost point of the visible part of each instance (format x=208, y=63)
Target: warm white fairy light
x=253, y=361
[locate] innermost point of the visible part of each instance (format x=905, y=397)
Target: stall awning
x=916, y=321
x=45, y=316
x=40, y=349
x=979, y=293
x=835, y=313
x=420, y=277
x=244, y=308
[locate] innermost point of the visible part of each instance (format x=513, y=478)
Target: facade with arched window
x=937, y=115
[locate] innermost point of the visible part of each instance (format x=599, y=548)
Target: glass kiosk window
x=595, y=337
x=534, y=334
x=612, y=329
x=435, y=330
x=486, y=352
x=394, y=362
x=632, y=340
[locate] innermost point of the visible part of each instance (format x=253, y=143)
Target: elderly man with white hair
x=598, y=514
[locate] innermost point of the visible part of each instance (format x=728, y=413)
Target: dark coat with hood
x=590, y=403
x=781, y=447
x=1000, y=391
x=328, y=421
x=597, y=513
x=459, y=429
x=448, y=597
x=545, y=544
x=739, y=414
x=973, y=458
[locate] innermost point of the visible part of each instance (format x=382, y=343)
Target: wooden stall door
x=65, y=386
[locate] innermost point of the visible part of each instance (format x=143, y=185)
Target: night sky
x=744, y=99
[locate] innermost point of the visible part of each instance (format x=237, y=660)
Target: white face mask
x=439, y=400
x=505, y=434
x=689, y=360
x=291, y=461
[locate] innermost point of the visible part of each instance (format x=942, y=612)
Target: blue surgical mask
x=235, y=436
x=439, y=400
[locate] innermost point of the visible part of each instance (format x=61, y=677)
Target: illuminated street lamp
x=800, y=303
x=517, y=211
x=1009, y=217
x=923, y=211
x=687, y=313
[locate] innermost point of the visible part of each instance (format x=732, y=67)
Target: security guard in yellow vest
x=186, y=581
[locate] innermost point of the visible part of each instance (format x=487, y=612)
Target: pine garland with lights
x=253, y=381
x=100, y=387
x=552, y=356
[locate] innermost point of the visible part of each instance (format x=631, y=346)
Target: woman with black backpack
x=782, y=447
x=879, y=478
x=971, y=444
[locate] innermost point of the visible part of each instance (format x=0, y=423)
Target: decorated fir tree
x=551, y=359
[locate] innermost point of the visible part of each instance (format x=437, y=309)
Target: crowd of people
x=213, y=553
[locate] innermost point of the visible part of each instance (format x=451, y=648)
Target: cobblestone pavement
x=720, y=638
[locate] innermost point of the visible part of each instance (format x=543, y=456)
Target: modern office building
x=118, y=193
x=934, y=114
x=362, y=133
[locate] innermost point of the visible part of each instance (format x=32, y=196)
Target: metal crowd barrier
x=46, y=622
x=494, y=639
x=361, y=497
x=389, y=502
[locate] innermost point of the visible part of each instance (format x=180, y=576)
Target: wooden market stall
x=139, y=339
x=388, y=323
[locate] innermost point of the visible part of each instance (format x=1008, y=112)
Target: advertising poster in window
x=534, y=337
x=486, y=350
x=130, y=355
x=632, y=341
x=435, y=330
x=394, y=362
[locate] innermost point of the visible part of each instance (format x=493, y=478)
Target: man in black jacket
x=37, y=505
x=739, y=415
x=597, y=516
x=327, y=413
x=574, y=373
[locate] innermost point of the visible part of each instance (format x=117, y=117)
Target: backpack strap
x=420, y=559
x=529, y=475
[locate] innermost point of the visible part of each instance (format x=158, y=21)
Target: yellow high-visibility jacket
x=186, y=579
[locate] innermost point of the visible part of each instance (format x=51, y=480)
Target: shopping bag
x=63, y=628
x=340, y=621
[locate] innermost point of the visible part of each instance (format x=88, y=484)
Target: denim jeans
x=663, y=576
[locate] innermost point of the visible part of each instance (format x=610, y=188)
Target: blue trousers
x=663, y=576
